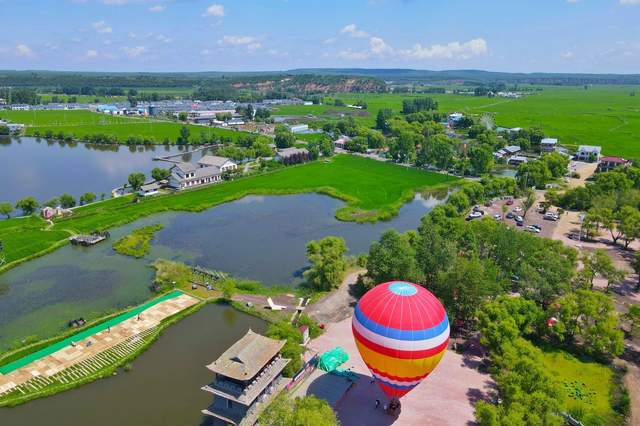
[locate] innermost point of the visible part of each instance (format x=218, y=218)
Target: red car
x=510, y=201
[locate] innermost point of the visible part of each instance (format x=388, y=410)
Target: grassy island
x=138, y=242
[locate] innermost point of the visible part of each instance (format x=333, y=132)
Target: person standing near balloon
x=401, y=331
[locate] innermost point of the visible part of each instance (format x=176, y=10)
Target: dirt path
x=338, y=304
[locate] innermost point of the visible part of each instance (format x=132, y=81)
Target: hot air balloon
x=401, y=331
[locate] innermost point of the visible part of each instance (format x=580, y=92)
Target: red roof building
x=609, y=163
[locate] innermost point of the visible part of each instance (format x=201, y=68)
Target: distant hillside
x=471, y=77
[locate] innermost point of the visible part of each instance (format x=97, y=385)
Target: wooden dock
x=89, y=239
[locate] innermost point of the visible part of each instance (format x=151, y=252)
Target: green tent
x=332, y=359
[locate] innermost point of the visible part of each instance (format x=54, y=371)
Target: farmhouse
x=149, y=189
x=292, y=155
x=247, y=376
x=548, y=144
x=454, y=118
x=186, y=175
x=507, y=151
x=223, y=163
x=516, y=160
x=588, y=153
x=341, y=142
x=610, y=163
x=51, y=212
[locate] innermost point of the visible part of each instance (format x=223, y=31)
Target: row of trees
x=611, y=203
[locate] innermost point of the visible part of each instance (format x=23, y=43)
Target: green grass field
x=607, y=116
x=587, y=386
x=371, y=189
x=81, y=123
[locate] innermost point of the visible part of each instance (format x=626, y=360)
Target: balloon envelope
x=401, y=331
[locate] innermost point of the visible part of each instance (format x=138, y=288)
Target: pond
x=260, y=238
x=45, y=169
x=162, y=388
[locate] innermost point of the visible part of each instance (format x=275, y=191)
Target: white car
x=497, y=216
x=474, y=215
x=533, y=229
x=551, y=216
x=518, y=209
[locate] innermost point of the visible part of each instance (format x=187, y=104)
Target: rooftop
x=246, y=357
x=613, y=160
x=213, y=160
x=186, y=167
x=291, y=151
x=549, y=141
x=589, y=148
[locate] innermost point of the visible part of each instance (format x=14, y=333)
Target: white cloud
x=91, y=53
x=157, y=8
x=353, y=31
x=24, y=51
x=568, y=55
x=216, y=10
x=379, y=47
x=134, y=52
x=101, y=27
x=250, y=43
x=453, y=50
x=163, y=38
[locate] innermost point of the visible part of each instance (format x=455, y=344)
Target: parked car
x=551, y=216
x=510, y=201
x=474, y=215
x=510, y=215
x=519, y=223
x=497, y=216
x=477, y=208
x=518, y=209
x=533, y=229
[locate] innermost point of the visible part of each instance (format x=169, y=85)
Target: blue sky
x=247, y=35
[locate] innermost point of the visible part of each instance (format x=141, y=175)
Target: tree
x=6, y=209
x=481, y=159
x=598, y=262
x=87, y=198
x=382, y=123
x=528, y=202
x=636, y=267
x=182, y=116
x=308, y=410
x=228, y=288
x=534, y=173
x=556, y=163
x=67, y=201
x=28, y=205
x=392, y=258
x=327, y=261
x=403, y=148
x=588, y=320
x=136, y=180
x=629, y=224
x=284, y=138
x=283, y=330
x=633, y=317
x=158, y=174
x=463, y=287
x=183, y=138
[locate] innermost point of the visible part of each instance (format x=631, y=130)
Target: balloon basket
x=394, y=407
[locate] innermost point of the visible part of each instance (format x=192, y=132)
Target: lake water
x=261, y=238
x=45, y=169
x=163, y=388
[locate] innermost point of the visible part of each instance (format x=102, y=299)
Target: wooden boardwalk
x=87, y=357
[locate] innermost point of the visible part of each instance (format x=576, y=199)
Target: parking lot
x=533, y=217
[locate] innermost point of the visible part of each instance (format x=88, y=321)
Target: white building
x=298, y=128
x=588, y=153
x=209, y=170
x=548, y=144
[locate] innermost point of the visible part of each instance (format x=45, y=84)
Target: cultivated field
x=372, y=191
x=80, y=124
x=608, y=116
